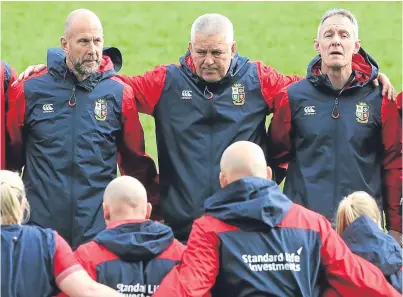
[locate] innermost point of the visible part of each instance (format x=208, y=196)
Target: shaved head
x=82, y=42
x=79, y=17
x=242, y=159
x=125, y=198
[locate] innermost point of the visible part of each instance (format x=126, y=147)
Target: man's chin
x=210, y=79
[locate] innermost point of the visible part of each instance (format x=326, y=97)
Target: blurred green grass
x=150, y=33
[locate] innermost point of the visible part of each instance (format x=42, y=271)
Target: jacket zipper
x=336, y=116
x=72, y=103
x=209, y=95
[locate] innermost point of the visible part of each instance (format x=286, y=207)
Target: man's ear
x=233, y=49
x=223, y=180
x=316, y=46
x=148, y=211
x=63, y=44
x=107, y=213
x=357, y=46
x=269, y=173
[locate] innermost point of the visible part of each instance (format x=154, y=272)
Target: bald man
x=133, y=254
x=69, y=125
x=253, y=241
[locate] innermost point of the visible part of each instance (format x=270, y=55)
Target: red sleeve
x=132, y=158
x=280, y=135
x=272, y=82
x=65, y=263
x=15, y=158
x=147, y=88
x=13, y=76
x=197, y=273
x=347, y=273
x=2, y=117
x=392, y=164
x=330, y=292
x=399, y=101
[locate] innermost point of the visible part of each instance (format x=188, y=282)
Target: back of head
x=126, y=198
x=213, y=24
x=353, y=206
x=242, y=159
x=14, y=204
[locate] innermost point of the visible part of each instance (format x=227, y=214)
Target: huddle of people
x=334, y=133
x=252, y=239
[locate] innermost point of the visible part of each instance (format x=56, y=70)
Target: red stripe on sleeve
x=65, y=263
x=392, y=164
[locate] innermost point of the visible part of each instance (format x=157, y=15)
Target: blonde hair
x=14, y=205
x=355, y=205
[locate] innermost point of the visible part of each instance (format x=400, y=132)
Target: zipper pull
x=72, y=100
x=335, y=111
x=209, y=95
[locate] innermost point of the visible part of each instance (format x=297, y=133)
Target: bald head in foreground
x=125, y=198
x=254, y=241
x=242, y=159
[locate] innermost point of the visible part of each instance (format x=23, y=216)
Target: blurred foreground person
x=35, y=262
x=254, y=241
x=359, y=223
x=133, y=254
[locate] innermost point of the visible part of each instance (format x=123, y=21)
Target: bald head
x=125, y=198
x=242, y=159
x=80, y=19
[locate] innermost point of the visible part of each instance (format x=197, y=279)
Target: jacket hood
x=366, y=239
x=136, y=241
x=249, y=203
x=236, y=65
x=365, y=70
x=110, y=65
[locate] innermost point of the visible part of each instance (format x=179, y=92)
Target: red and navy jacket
x=70, y=135
x=253, y=241
x=338, y=142
x=131, y=257
x=196, y=121
x=34, y=261
x=365, y=239
x=7, y=77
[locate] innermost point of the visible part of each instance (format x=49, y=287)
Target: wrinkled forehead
x=336, y=23
x=210, y=41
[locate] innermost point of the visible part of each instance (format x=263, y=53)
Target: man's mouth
x=336, y=53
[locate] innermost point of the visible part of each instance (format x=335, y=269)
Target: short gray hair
x=211, y=24
x=342, y=12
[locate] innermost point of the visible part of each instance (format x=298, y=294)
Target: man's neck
x=337, y=76
x=70, y=66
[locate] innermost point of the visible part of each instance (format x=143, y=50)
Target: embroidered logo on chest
x=238, y=94
x=309, y=110
x=47, y=108
x=100, y=109
x=362, y=112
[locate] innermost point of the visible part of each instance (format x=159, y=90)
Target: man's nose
x=91, y=48
x=209, y=59
x=335, y=41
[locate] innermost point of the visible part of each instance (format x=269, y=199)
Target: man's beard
x=81, y=69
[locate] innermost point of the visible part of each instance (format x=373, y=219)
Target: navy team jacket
x=131, y=257
x=253, y=241
x=70, y=135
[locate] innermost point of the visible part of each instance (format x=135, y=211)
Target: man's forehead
x=210, y=42
x=86, y=32
x=337, y=22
